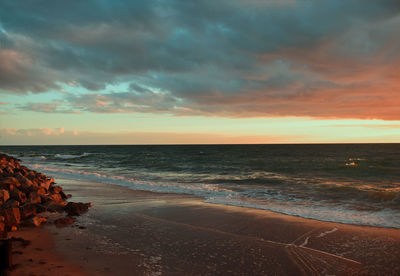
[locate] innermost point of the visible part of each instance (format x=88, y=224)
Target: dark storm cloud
x=228, y=58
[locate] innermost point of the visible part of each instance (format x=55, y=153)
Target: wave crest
x=71, y=156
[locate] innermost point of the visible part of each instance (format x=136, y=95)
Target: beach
x=199, y=138
x=129, y=232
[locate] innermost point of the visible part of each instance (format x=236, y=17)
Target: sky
x=194, y=72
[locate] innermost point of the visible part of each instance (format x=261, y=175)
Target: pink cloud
x=33, y=131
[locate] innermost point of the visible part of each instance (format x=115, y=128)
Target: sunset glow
x=184, y=73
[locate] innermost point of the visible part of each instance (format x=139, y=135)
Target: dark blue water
x=350, y=183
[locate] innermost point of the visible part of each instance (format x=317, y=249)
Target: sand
x=130, y=232
x=39, y=256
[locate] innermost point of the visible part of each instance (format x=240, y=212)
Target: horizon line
x=211, y=144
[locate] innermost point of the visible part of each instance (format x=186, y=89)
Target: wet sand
x=130, y=232
x=38, y=256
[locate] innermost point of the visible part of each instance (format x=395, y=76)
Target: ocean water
x=347, y=183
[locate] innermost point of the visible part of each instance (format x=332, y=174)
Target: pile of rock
x=25, y=193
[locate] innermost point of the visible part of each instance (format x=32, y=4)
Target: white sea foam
x=197, y=189
x=323, y=234
x=71, y=156
x=305, y=242
x=333, y=213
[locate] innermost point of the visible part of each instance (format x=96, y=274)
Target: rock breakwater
x=28, y=198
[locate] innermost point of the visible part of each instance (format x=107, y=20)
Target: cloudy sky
x=227, y=71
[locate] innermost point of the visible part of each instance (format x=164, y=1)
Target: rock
x=34, y=198
x=41, y=208
x=44, y=198
x=18, y=175
x=36, y=221
x=12, y=216
x=7, y=181
x=18, y=195
x=55, y=197
x=63, y=195
x=31, y=175
x=57, y=207
x=64, y=221
x=24, y=193
x=46, y=184
x=4, y=196
x=56, y=189
x=36, y=182
x=28, y=210
x=8, y=171
x=12, y=203
x=41, y=191
x=76, y=209
x=2, y=226
x=26, y=184
x=24, y=170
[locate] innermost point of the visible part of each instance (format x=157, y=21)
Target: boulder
x=41, y=208
x=76, y=208
x=12, y=216
x=8, y=170
x=63, y=195
x=28, y=210
x=17, y=166
x=55, y=197
x=41, y=191
x=31, y=175
x=12, y=203
x=9, y=181
x=18, y=195
x=26, y=184
x=34, y=197
x=18, y=175
x=2, y=228
x=64, y=221
x=56, y=189
x=24, y=170
x=46, y=184
x=36, y=221
x=42, y=176
x=56, y=207
x=4, y=196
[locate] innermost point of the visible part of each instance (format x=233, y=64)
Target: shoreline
x=212, y=238
x=203, y=200
x=337, y=211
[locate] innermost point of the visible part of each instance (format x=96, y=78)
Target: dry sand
x=142, y=233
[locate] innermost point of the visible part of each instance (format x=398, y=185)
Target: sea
x=346, y=183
